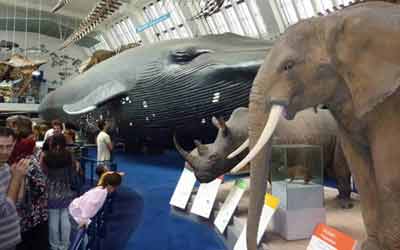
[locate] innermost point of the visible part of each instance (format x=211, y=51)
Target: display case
x=297, y=180
x=297, y=164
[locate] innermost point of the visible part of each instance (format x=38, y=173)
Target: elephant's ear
x=366, y=62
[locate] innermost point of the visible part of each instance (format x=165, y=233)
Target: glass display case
x=297, y=175
x=297, y=164
x=297, y=178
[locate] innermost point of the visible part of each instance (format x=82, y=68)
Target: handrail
x=79, y=237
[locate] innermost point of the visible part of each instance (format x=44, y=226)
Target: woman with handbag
x=61, y=172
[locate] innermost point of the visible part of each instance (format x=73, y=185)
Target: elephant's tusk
x=240, y=149
x=275, y=114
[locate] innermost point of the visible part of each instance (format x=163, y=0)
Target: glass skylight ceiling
x=242, y=17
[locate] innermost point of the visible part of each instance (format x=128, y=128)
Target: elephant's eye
x=288, y=65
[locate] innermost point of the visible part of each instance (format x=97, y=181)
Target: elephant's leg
x=343, y=176
x=362, y=170
x=386, y=157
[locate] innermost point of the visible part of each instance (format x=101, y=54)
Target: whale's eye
x=187, y=55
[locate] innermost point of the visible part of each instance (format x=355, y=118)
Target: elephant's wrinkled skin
x=350, y=62
x=209, y=161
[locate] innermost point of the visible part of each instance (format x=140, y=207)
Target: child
x=85, y=207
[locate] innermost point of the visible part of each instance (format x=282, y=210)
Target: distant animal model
x=298, y=171
x=101, y=55
x=19, y=67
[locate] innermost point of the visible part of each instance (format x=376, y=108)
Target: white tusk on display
x=240, y=149
x=269, y=128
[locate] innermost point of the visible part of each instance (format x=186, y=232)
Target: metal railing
x=89, y=164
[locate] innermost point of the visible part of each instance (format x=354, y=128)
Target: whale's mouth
x=96, y=97
x=78, y=112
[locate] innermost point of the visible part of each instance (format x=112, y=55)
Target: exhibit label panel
x=270, y=206
x=205, y=198
x=327, y=238
x=230, y=204
x=183, y=189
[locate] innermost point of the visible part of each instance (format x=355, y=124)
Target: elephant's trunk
x=258, y=170
x=189, y=158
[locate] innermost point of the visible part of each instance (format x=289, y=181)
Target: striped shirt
x=9, y=220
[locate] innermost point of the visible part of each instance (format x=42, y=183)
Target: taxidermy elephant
x=209, y=161
x=350, y=62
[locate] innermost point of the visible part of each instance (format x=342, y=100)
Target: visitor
x=32, y=209
x=104, y=144
x=61, y=172
x=69, y=133
x=10, y=183
x=75, y=149
x=85, y=207
x=32, y=200
x=56, y=129
x=25, y=139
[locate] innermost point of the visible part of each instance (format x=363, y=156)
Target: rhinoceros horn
x=189, y=158
x=219, y=123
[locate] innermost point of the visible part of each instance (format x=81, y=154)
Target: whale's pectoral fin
x=95, y=98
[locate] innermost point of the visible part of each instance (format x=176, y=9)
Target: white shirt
x=86, y=206
x=103, y=154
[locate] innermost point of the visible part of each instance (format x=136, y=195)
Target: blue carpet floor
x=142, y=220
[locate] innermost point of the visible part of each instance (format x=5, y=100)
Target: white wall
x=56, y=64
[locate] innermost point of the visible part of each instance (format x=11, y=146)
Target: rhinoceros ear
x=201, y=148
x=219, y=123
